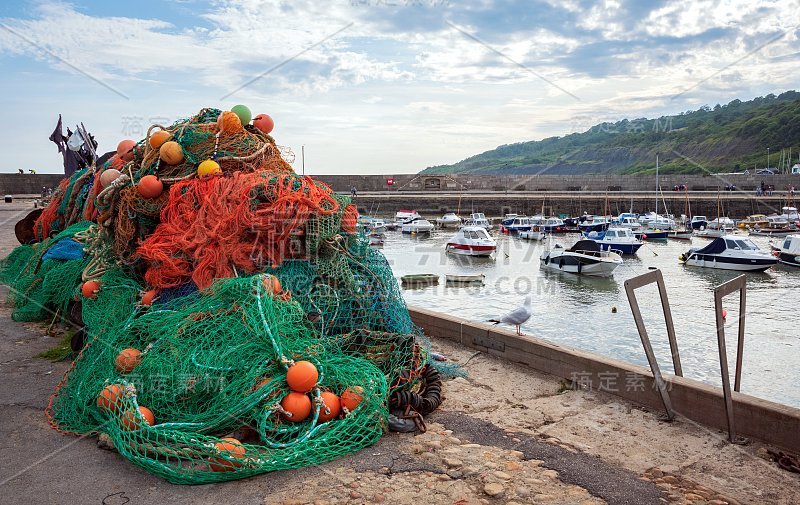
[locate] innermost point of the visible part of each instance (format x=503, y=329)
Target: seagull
x=517, y=316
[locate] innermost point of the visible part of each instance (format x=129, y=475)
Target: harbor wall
x=543, y=183
x=735, y=205
x=767, y=421
x=15, y=184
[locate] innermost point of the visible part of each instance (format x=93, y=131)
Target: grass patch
x=61, y=351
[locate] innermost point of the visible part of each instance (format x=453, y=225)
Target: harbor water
x=578, y=311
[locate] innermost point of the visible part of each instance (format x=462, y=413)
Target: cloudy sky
x=381, y=86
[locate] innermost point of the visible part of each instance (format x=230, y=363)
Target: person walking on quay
x=353, y=192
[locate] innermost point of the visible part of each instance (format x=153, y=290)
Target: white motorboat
x=790, y=214
x=403, y=216
x=471, y=241
x=722, y=223
x=729, y=252
x=536, y=232
x=788, y=252
x=479, y=219
x=469, y=279
x=376, y=226
x=653, y=221
x=698, y=222
x=618, y=239
x=417, y=225
x=585, y=258
x=449, y=220
x=631, y=223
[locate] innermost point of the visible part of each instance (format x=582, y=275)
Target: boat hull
x=533, y=235
x=789, y=259
x=725, y=263
x=627, y=248
x=580, y=265
x=470, y=250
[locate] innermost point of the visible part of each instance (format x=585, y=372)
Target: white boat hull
x=755, y=266
x=533, y=235
x=466, y=250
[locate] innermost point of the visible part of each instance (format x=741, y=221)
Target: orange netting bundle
x=219, y=227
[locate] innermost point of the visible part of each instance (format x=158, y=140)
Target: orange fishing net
x=217, y=227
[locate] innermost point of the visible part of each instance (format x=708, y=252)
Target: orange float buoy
x=351, y=397
x=229, y=122
x=158, y=138
x=272, y=283
x=334, y=407
x=171, y=153
x=302, y=376
x=131, y=422
x=125, y=150
x=297, y=404
x=264, y=123
x=231, y=448
x=148, y=297
x=89, y=289
x=108, y=176
x=127, y=360
x=150, y=186
x=110, y=397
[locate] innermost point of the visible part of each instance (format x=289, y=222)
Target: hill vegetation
x=724, y=138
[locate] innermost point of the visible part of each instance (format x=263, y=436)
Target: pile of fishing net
x=234, y=321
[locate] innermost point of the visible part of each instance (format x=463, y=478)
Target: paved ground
x=505, y=434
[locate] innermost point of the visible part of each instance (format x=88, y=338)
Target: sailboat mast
x=656, y=184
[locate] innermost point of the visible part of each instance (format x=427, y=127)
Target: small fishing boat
x=698, y=223
x=553, y=225
x=682, y=234
x=653, y=221
x=417, y=226
x=651, y=235
x=464, y=279
x=617, y=239
x=449, y=220
x=509, y=218
x=722, y=223
x=788, y=252
x=537, y=232
x=518, y=224
x=376, y=241
x=777, y=226
x=729, y=252
x=375, y=226
x=631, y=223
x=419, y=280
x=479, y=219
x=471, y=241
x=753, y=221
x=597, y=223
x=585, y=258
x=403, y=216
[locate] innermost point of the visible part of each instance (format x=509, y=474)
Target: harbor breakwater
x=526, y=194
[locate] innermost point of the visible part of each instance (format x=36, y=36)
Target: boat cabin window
x=611, y=233
x=787, y=243
x=481, y=234
x=746, y=244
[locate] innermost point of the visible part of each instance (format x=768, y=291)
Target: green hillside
x=725, y=138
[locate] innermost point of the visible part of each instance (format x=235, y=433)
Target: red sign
x=389, y=181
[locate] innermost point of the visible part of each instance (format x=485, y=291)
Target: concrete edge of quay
x=767, y=421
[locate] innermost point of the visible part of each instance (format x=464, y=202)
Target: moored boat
x=585, y=258
x=618, y=239
x=698, y=223
x=729, y=252
x=464, y=278
x=518, y=224
x=471, y=241
x=537, y=232
x=449, y=220
x=479, y=219
x=753, y=221
x=417, y=225
x=788, y=252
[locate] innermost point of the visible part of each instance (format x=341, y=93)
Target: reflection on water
x=578, y=311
